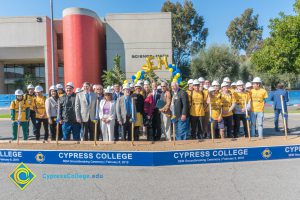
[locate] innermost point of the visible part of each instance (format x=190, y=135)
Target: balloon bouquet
x=149, y=66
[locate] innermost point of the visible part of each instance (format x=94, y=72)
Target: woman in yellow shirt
x=216, y=112
x=228, y=104
x=197, y=102
x=41, y=116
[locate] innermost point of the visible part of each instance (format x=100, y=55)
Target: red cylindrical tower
x=82, y=50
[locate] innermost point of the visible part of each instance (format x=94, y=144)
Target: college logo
x=40, y=157
x=22, y=176
x=267, y=153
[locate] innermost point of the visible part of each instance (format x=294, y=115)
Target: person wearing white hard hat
x=227, y=80
x=29, y=96
x=216, y=119
x=206, y=129
x=125, y=112
x=165, y=111
x=258, y=97
x=248, y=87
x=242, y=103
x=149, y=106
x=41, y=115
x=116, y=95
x=156, y=122
x=216, y=85
x=51, y=111
x=19, y=113
x=201, y=80
x=228, y=103
x=206, y=84
x=85, y=108
x=139, y=105
x=67, y=115
x=60, y=89
x=197, y=102
x=233, y=85
x=190, y=86
x=107, y=108
x=77, y=90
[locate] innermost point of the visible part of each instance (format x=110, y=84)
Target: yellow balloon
x=178, y=75
x=170, y=70
x=135, y=81
x=139, y=73
x=126, y=81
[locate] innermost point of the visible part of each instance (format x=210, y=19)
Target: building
x=84, y=46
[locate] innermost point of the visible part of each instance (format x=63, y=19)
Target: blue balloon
x=142, y=76
x=133, y=78
x=170, y=66
x=179, y=80
x=143, y=72
x=174, y=73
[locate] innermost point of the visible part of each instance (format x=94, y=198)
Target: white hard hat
x=146, y=82
x=18, y=92
x=214, y=83
x=196, y=82
x=38, y=88
x=70, y=84
x=94, y=87
x=248, y=84
x=131, y=85
x=78, y=90
x=211, y=89
x=30, y=86
x=53, y=87
x=140, y=82
x=159, y=87
x=239, y=82
x=190, y=81
x=233, y=84
x=224, y=84
x=226, y=79
x=201, y=79
x=126, y=86
x=59, y=86
x=256, y=80
x=108, y=90
x=138, y=85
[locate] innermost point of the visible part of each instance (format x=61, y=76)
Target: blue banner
x=160, y=158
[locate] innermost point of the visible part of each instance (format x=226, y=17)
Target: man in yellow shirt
x=228, y=104
x=29, y=96
x=242, y=103
x=197, y=101
x=40, y=110
x=216, y=111
x=258, y=96
x=19, y=112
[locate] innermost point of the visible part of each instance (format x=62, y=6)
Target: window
x=60, y=44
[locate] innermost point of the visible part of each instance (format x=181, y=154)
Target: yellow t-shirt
x=216, y=105
x=240, y=99
x=197, y=102
x=40, y=107
x=30, y=99
x=227, y=101
x=258, y=99
x=15, y=106
x=205, y=91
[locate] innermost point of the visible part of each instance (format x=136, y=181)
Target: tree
x=215, y=63
x=280, y=53
x=244, y=33
x=115, y=75
x=188, y=32
x=28, y=79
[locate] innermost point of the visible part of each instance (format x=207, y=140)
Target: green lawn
x=4, y=115
x=290, y=110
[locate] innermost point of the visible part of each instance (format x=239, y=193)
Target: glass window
x=60, y=70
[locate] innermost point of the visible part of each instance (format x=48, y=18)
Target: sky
x=217, y=13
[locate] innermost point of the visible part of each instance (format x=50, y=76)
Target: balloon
x=170, y=70
x=165, y=62
x=142, y=76
x=178, y=75
x=133, y=77
x=159, y=62
x=135, y=81
x=179, y=80
x=126, y=81
x=143, y=72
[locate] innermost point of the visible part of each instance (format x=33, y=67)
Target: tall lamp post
x=52, y=44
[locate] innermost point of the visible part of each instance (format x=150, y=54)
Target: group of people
x=125, y=112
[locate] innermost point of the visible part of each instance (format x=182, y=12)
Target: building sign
x=147, y=55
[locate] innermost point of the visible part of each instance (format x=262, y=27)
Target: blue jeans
x=259, y=117
x=68, y=127
x=277, y=112
x=182, y=129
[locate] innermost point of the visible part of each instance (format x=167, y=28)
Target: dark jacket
x=181, y=103
x=115, y=96
x=275, y=97
x=67, y=108
x=139, y=102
